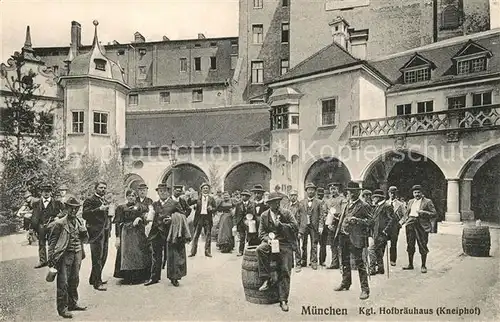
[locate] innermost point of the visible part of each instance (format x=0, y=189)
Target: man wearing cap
x=417, y=219
x=366, y=196
x=277, y=223
x=45, y=210
x=331, y=211
x=177, y=196
x=399, y=211
x=203, y=219
x=353, y=231
x=241, y=210
x=259, y=207
x=66, y=253
x=95, y=213
x=383, y=220
x=311, y=225
x=293, y=207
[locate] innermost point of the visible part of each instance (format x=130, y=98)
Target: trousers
x=242, y=236
x=376, y=253
x=42, y=244
x=68, y=278
x=346, y=250
x=323, y=241
x=99, y=255
x=393, y=251
x=157, y=252
x=203, y=223
x=416, y=234
x=309, y=231
x=284, y=260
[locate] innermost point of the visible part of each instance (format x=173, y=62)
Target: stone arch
x=185, y=173
x=477, y=160
x=133, y=180
x=326, y=169
x=244, y=175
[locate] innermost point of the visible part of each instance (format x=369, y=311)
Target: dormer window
x=100, y=64
x=472, y=58
x=417, y=69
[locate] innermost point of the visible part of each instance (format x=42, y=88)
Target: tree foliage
x=214, y=177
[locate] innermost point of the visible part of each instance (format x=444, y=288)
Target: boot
x=364, y=295
x=424, y=261
x=341, y=288
x=410, y=262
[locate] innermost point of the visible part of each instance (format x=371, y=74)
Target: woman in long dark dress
x=133, y=261
x=225, y=239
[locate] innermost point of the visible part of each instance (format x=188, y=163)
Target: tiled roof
x=329, y=58
x=440, y=54
x=242, y=126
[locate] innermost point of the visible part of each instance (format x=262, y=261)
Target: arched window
x=100, y=64
x=450, y=17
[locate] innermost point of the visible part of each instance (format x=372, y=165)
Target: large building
x=281, y=106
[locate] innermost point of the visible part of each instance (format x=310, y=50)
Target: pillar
x=465, y=199
x=452, y=209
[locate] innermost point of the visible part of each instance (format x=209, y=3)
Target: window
x=100, y=123
x=471, y=66
x=403, y=109
x=418, y=75
x=481, y=99
x=425, y=107
x=258, y=34
x=456, y=102
x=183, y=64
x=285, y=32
x=279, y=118
x=55, y=68
x=285, y=3
x=197, y=63
x=234, y=61
x=133, y=99
x=295, y=119
x=142, y=72
x=77, y=122
x=165, y=97
x=197, y=45
x=450, y=17
x=234, y=47
x=100, y=64
x=213, y=63
x=213, y=44
x=197, y=95
x=284, y=66
x=257, y=72
x=328, y=112
x=258, y=4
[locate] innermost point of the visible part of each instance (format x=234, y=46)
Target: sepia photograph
x=250, y=160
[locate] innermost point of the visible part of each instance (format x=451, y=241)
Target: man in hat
x=417, y=219
x=311, y=225
x=366, y=196
x=399, y=211
x=95, y=213
x=383, y=220
x=353, y=231
x=157, y=230
x=66, y=253
x=203, y=219
x=259, y=207
x=293, y=207
x=45, y=210
x=321, y=193
x=332, y=209
x=246, y=206
x=177, y=196
x=61, y=193
x=277, y=223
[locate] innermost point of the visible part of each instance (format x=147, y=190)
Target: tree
x=475, y=22
x=214, y=178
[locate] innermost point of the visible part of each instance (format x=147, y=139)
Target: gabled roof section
x=418, y=61
x=327, y=59
x=472, y=48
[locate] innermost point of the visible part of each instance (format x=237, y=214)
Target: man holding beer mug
x=278, y=234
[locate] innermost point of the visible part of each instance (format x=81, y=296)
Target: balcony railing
x=481, y=117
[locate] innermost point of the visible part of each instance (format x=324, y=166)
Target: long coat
x=59, y=238
x=383, y=220
x=315, y=214
x=162, y=211
x=41, y=216
x=97, y=220
x=358, y=232
x=286, y=232
x=424, y=219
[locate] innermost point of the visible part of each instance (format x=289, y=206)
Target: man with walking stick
x=353, y=231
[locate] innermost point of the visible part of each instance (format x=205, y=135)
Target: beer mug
x=275, y=244
x=252, y=227
x=235, y=232
x=51, y=274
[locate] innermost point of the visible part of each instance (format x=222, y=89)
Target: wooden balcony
x=448, y=121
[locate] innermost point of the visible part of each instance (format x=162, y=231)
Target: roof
x=243, y=126
x=329, y=58
x=440, y=54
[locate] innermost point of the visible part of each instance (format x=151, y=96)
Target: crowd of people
x=152, y=235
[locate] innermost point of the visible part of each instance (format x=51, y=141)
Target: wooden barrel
x=252, y=282
x=476, y=241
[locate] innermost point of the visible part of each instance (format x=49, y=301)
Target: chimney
x=340, y=33
x=358, y=40
x=165, y=38
x=138, y=38
x=76, y=36
x=201, y=36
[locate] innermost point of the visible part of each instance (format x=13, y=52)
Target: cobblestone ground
x=213, y=290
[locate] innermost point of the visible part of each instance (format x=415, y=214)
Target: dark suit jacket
x=59, y=238
x=42, y=217
x=211, y=207
x=262, y=207
x=159, y=229
x=360, y=230
x=315, y=214
x=240, y=213
x=427, y=206
x=383, y=220
x=286, y=231
x=97, y=221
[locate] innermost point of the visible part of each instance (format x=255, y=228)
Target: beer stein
x=234, y=231
x=51, y=274
x=275, y=244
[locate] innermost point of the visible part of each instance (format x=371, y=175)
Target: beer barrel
x=476, y=241
x=252, y=282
